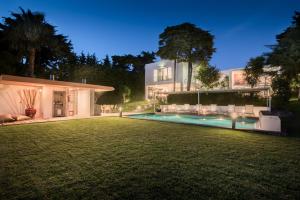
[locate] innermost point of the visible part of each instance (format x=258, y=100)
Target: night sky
x=242, y=28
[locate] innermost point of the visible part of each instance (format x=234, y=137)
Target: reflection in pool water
x=217, y=120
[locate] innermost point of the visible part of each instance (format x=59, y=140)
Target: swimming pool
x=218, y=121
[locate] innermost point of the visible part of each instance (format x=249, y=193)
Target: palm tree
x=28, y=32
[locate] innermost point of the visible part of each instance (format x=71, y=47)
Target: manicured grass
x=118, y=158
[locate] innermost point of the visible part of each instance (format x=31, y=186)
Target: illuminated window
x=155, y=75
x=169, y=73
x=163, y=74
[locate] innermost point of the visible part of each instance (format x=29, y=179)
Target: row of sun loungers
x=247, y=110
x=109, y=108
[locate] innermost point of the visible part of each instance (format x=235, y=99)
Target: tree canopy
x=286, y=53
x=28, y=43
x=30, y=36
x=209, y=76
x=186, y=43
x=254, y=70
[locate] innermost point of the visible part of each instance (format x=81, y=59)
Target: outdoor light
x=120, y=112
x=233, y=117
x=243, y=111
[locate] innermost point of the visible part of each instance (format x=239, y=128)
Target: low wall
x=220, y=109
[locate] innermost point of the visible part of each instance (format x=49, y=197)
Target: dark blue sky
x=242, y=28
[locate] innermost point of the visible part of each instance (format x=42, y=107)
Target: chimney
x=83, y=80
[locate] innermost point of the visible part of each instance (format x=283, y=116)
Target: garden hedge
x=224, y=99
x=109, y=98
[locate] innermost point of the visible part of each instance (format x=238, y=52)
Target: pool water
x=218, y=121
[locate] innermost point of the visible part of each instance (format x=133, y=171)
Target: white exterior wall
x=167, y=85
x=83, y=102
x=10, y=101
x=236, y=78
x=47, y=102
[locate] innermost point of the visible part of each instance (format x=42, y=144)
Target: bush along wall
x=222, y=99
x=109, y=98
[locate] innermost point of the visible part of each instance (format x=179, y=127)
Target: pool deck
x=255, y=130
x=126, y=115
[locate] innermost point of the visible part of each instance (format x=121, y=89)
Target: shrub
x=109, y=98
x=282, y=92
x=224, y=99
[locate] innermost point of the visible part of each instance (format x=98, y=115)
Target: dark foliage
x=53, y=54
x=31, y=41
x=254, y=70
x=282, y=92
x=286, y=53
x=208, y=75
x=186, y=43
x=222, y=99
x=109, y=98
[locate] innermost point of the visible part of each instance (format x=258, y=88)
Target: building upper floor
x=162, y=73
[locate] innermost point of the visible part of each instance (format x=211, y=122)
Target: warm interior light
x=234, y=115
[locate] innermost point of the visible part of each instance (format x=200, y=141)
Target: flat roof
x=29, y=81
x=243, y=90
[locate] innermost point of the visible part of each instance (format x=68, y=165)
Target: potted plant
x=28, y=98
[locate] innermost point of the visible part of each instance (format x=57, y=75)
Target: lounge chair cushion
x=213, y=107
x=249, y=109
x=230, y=108
x=20, y=117
x=6, y=118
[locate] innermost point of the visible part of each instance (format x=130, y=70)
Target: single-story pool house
x=46, y=99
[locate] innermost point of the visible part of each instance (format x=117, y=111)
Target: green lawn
x=119, y=158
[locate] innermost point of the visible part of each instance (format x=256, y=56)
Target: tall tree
x=254, y=70
x=9, y=62
x=169, y=47
x=28, y=32
x=189, y=44
x=286, y=53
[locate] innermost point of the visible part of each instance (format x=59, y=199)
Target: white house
x=53, y=98
x=159, y=78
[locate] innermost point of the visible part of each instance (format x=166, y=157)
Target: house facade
x=52, y=98
x=159, y=79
